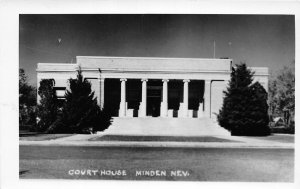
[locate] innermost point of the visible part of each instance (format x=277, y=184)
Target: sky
x=257, y=40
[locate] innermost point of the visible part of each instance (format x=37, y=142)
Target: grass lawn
x=41, y=137
x=207, y=164
x=159, y=138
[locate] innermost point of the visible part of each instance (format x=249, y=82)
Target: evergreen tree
x=81, y=113
x=48, y=105
x=102, y=121
x=245, y=109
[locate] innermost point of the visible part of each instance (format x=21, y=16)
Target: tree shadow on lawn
x=159, y=138
x=41, y=136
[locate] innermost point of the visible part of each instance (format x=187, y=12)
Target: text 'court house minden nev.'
x=151, y=87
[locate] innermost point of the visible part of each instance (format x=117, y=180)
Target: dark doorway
x=175, y=94
x=154, y=96
x=133, y=95
x=196, y=92
x=112, y=97
x=153, y=106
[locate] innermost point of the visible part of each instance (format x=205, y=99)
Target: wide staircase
x=165, y=127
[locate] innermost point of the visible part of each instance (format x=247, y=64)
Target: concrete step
x=165, y=127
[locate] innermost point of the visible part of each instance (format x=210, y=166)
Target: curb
x=157, y=144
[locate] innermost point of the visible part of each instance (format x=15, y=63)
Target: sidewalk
x=229, y=142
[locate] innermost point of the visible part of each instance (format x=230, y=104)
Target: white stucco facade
x=173, y=87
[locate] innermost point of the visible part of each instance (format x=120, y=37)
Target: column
x=164, y=103
x=101, y=83
x=207, y=94
x=143, y=106
x=200, y=110
x=122, y=111
x=185, y=97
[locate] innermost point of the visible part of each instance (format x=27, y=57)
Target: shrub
x=283, y=129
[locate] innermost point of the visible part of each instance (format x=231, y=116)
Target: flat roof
x=139, y=57
x=146, y=64
x=153, y=63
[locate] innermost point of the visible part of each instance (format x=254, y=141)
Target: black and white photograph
x=161, y=97
x=157, y=97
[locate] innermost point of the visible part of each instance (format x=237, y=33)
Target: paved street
x=144, y=163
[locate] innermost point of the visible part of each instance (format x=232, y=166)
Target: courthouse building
x=156, y=87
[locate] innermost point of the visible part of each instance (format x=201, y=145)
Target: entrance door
x=153, y=101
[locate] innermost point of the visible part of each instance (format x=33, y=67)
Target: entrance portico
x=185, y=100
x=157, y=87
